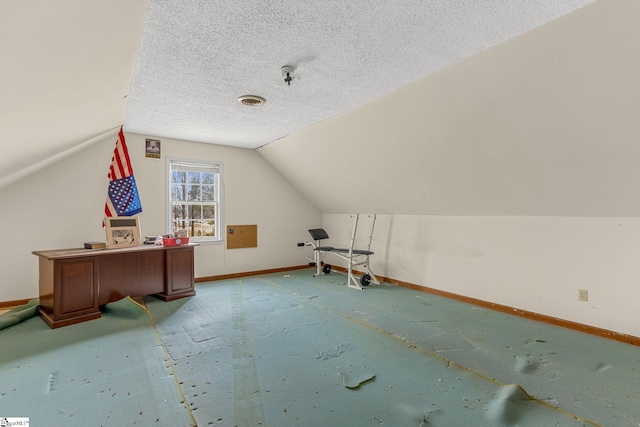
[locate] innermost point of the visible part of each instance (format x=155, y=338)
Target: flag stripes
x=122, y=196
x=120, y=162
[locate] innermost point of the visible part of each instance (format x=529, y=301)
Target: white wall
x=545, y=124
x=61, y=206
x=511, y=177
x=531, y=263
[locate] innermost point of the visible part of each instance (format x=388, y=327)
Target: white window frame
x=219, y=203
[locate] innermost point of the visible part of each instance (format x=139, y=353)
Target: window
x=194, y=195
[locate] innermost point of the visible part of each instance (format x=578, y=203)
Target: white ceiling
x=65, y=72
x=73, y=70
x=197, y=57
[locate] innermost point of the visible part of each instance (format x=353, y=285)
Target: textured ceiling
x=197, y=57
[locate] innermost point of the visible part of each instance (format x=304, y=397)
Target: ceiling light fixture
x=252, y=100
x=287, y=74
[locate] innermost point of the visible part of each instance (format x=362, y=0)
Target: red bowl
x=175, y=241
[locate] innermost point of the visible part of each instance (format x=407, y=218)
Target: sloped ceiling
x=65, y=72
x=196, y=58
x=545, y=124
x=73, y=70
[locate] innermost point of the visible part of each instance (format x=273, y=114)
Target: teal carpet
x=293, y=350
x=110, y=371
x=304, y=351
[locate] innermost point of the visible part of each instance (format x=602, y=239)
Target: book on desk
x=95, y=245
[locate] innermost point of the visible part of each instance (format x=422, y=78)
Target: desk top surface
x=82, y=252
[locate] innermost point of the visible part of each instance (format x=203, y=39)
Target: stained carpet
x=110, y=371
x=293, y=350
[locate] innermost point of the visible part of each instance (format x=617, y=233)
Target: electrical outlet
x=583, y=295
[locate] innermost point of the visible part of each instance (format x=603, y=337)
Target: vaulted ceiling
x=75, y=69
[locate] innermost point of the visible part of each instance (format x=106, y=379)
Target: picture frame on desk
x=122, y=231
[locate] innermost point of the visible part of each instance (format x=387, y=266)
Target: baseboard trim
x=11, y=304
x=568, y=324
x=248, y=273
x=16, y=303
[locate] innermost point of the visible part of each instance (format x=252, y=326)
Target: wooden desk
x=74, y=283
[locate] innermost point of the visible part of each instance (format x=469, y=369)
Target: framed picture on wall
x=152, y=148
x=122, y=231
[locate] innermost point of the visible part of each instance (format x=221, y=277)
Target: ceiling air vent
x=252, y=100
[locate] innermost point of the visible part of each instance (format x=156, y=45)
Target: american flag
x=122, y=197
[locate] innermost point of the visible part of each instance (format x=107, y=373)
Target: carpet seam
x=168, y=360
x=444, y=359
